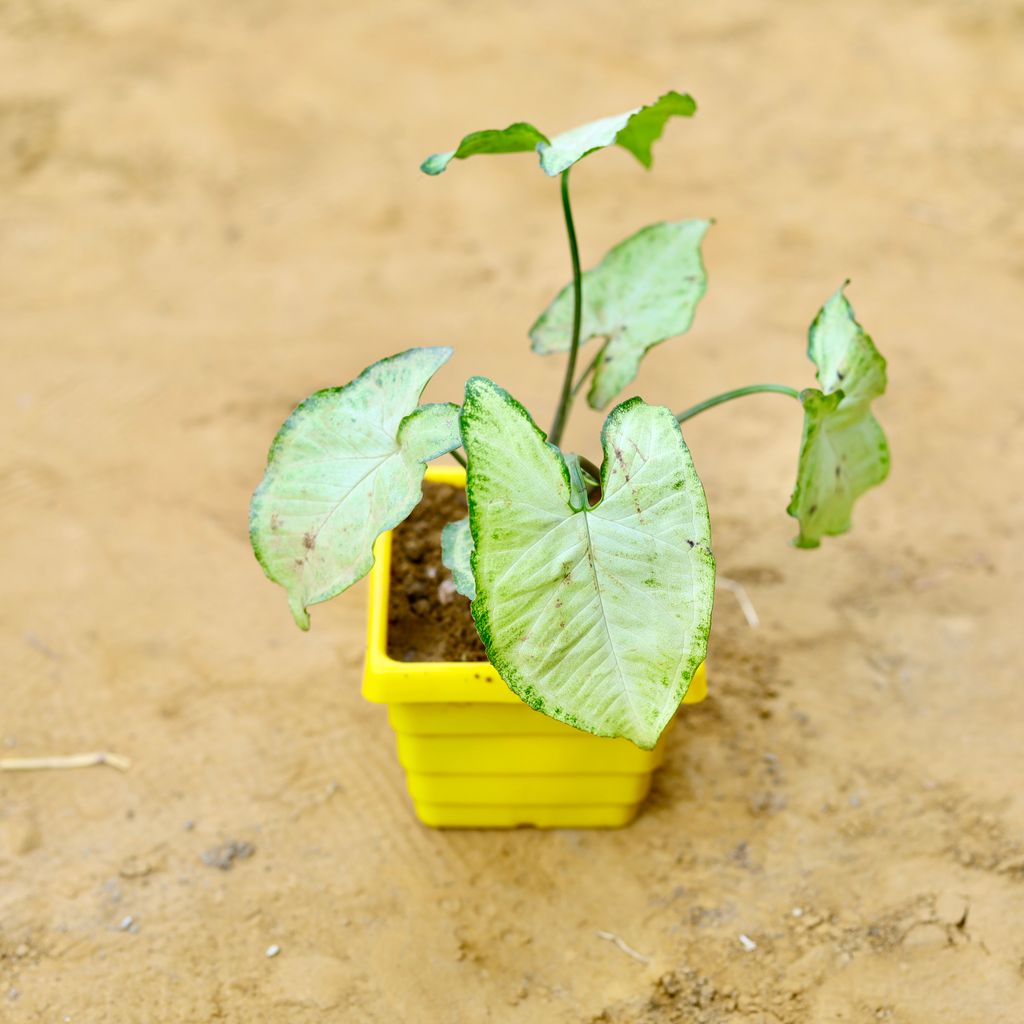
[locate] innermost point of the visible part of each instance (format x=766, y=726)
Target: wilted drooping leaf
x=347, y=465
x=843, y=452
x=636, y=131
x=456, y=552
x=643, y=292
x=596, y=616
x=516, y=138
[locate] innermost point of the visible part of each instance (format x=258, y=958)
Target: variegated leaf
x=843, y=452
x=644, y=291
x=636, y=131
x=597, y=616
x=347, y=465
x=456, y=554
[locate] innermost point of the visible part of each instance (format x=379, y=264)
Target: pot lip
x=387, y=680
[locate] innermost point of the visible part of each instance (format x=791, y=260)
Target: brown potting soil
x=428, y=620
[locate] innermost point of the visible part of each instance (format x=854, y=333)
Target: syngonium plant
x=591, y=587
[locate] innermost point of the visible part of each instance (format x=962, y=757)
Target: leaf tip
x=436, y=163
x=804, y=543
x=299, y=613
x=477, y=384
x=644, y=738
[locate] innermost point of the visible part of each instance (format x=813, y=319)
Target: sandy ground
x=209, y=210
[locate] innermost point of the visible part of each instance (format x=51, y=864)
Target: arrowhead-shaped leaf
x=456, y=554
x=347, y=465
x=643, y=292
x=597, y=616
x=843, y=452
x=636, y=131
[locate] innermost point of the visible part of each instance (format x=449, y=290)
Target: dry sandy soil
x=208, y=211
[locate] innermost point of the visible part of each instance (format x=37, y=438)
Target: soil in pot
x=428, y=620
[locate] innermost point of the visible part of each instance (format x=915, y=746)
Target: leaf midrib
x=592, y=559
x=590, y=556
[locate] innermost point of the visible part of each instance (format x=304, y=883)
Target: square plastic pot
x=476, y=756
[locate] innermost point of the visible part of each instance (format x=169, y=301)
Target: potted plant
x=590, y=586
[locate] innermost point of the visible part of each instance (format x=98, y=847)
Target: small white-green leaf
x=636, y=131
x=643, y=292
x=843, y=451
x=456, y=554
x=347, y=465
x=430, y=431
x=599, y=616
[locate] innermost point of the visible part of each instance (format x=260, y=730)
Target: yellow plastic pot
x=476, y=756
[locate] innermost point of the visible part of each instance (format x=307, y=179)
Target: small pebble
x=798, y=912
x=226, y=854
x=273, y=950
x=126, y=923
x=748, y=943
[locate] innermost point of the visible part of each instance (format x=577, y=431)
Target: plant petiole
x=728, y=396
x=582, y=378
x=565, y=402
x=590, y=469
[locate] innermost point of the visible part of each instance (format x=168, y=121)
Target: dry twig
x=31, y=764
x=742, y=599
x=624, y=946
